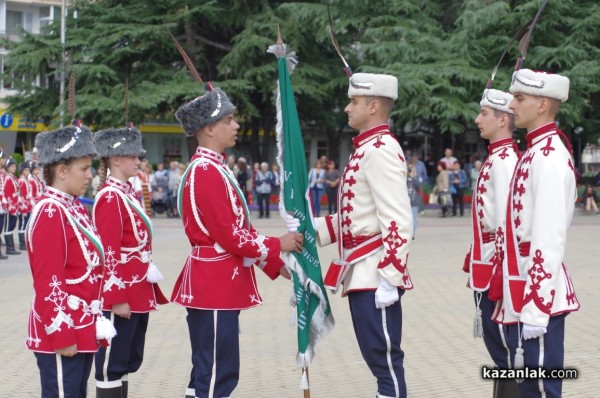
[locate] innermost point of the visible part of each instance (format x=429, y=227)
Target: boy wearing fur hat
x=538, y=292
x=130, y=289
x=373, y=229
x=26, y=203
x=218, y=278
x=496, y=124
x=66, y=325
x=12, y=194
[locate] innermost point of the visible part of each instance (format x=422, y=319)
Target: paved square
x=442, y=359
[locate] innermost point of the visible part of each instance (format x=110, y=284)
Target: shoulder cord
x=92, y=260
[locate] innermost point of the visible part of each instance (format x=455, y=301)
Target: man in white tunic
x=537, y=290
x=373, y=231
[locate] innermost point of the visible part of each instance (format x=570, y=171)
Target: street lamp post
x=578, y=130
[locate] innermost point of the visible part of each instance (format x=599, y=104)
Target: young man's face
x=358, y=113
x=525, y=108
x=226, y=131
x=487, y=122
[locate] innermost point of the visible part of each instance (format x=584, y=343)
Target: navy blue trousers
x=125, y=353
x=379, y=334
x=494, y=335
x=64, y=376
x=214, y=336
x=11, y=224
x=23, y=220
x=547, y=352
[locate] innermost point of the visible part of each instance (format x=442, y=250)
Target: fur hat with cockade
x=71, y=142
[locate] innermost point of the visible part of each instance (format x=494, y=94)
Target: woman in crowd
x=332, y=179
x=316, y=183
x=442, y=187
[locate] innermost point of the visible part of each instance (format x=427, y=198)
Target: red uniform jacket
x=126, y=233
x=26, y=204
x=3, y=201
x=218, y=274
x=37, y=188
x=65, y=255
x=12, y=194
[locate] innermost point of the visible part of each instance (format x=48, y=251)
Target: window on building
x=14, y=21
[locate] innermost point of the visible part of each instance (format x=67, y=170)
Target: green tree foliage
x=441, y=51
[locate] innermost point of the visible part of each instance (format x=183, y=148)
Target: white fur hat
x=541, y=84
x=372, y=85
x=496, y=99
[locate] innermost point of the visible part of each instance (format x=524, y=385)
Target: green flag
x=315, y=319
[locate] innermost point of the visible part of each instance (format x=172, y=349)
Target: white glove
x=532, y=332
x=386, y=294
x=291, y=223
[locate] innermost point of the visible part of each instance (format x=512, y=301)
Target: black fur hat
x=203, y=111
x=65, y=143
x=126, y=141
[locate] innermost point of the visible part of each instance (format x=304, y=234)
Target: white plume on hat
x=540, y=84
x=373, y=85
x=496, y=99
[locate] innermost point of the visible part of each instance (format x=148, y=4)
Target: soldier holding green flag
x=217, y=280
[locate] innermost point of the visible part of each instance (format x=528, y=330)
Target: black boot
x=124, y=389
x=114, y=392
x=10, y=245
x=22, y=245
x=2, y=256
x=506, y=389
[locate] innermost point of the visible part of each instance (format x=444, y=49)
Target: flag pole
x=307, y=391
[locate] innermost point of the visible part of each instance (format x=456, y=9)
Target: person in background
x=264, y=185
x=413, y=183
x=448, y=159
x=12, y=194
x=37, y=184
x=442, y=188
x=475, y=174
x=242, y=176
x=276, y=181
x=173, y=186
x=26, y=203
x=316, y=183
x=66, y=256
x=3, y=202
x=459, y=181
x=255, y=170
x=332, y=180
x=590, y=200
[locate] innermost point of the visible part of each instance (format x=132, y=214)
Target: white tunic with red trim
x=489, y=209
x=65, y=255
x=373, y=201
x=26, y=203
x=12, y=193
x=542, y=202
x=126, y=233
x=218, y=274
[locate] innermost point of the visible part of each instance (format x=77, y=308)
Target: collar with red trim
x=126, y=187
x=370, y=133
x=498, y=145
x=533, y=135
x=209, y=153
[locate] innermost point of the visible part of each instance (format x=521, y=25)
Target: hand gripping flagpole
x=314, y=318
